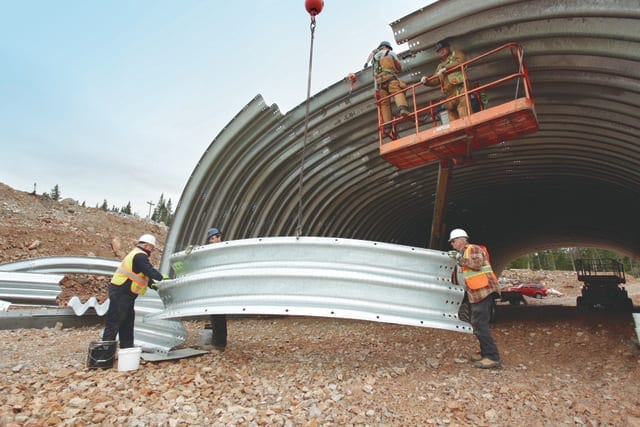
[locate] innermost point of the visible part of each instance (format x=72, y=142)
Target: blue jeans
x=480, y=317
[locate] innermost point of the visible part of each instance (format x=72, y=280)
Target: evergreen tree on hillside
x=163, y=211
x=564, y=259
x=55, y=193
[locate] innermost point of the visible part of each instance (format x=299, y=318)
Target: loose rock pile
x=560, y=368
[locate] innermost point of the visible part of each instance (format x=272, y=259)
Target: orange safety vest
x=477, y=279
x=139, y=281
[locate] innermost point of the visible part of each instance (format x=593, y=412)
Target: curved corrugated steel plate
x=315, y=276
x=29, y=288
x=64, y=264
x=574, y=182
x=21, y=283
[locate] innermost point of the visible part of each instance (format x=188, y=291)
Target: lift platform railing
x=520, y=77
x=589, y=270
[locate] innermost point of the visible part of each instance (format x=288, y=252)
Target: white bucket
x=129, y=358
x=206, y=336
x=636, y=319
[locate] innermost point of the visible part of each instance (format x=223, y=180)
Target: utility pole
x=151, y=204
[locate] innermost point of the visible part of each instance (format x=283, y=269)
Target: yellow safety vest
x=139, y=281
x=477, y=279
x=455, y=78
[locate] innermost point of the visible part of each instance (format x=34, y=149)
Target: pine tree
x=162, y=212
x=55, y=193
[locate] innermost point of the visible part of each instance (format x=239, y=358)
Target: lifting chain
x=306, y=127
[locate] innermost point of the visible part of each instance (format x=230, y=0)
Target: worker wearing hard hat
x=452, y=83
x=218, y=323
x=131, y=279
x=386, y=65
x=474, y=271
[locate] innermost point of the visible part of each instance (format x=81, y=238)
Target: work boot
x=217, y=348
x=219, y=345
x=486, y=363
x=475, y=357
x=404, y=110
x=390, y=132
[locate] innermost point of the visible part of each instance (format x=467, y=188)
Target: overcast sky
x=118, y=100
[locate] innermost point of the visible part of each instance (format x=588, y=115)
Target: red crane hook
x=314, y=7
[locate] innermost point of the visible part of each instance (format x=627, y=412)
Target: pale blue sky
x=118, y=100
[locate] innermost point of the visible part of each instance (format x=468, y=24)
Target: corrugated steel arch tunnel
x=574, y=182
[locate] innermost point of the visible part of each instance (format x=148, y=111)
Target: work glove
x=165, y=277
x=441, y=71
x=154, y=286
x=366, y=64
x=424, y=79
x=455, y=255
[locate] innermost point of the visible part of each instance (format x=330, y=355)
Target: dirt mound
x=33, y=226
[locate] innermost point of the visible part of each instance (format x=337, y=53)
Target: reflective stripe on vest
x=125, y=271
x=477, y=279
x=456, y=77
x=385, y=64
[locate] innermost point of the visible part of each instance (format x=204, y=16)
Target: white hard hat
x=457, y=232
x=147, y=238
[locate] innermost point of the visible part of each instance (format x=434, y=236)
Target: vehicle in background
x=533, y=290
x=602, y=285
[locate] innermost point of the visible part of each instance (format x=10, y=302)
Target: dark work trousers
x=219, y=330
x=121, y=315
x=480, y=316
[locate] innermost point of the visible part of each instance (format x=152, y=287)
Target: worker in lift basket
x=451, y=84
x=386, y=65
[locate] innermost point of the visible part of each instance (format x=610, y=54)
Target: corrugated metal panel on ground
x=19, y=286
x=29, y=288
x=64, y=264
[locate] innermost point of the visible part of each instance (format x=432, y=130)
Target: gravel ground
x=561, y=367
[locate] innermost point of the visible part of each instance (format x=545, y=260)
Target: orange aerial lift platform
x=422, y=137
